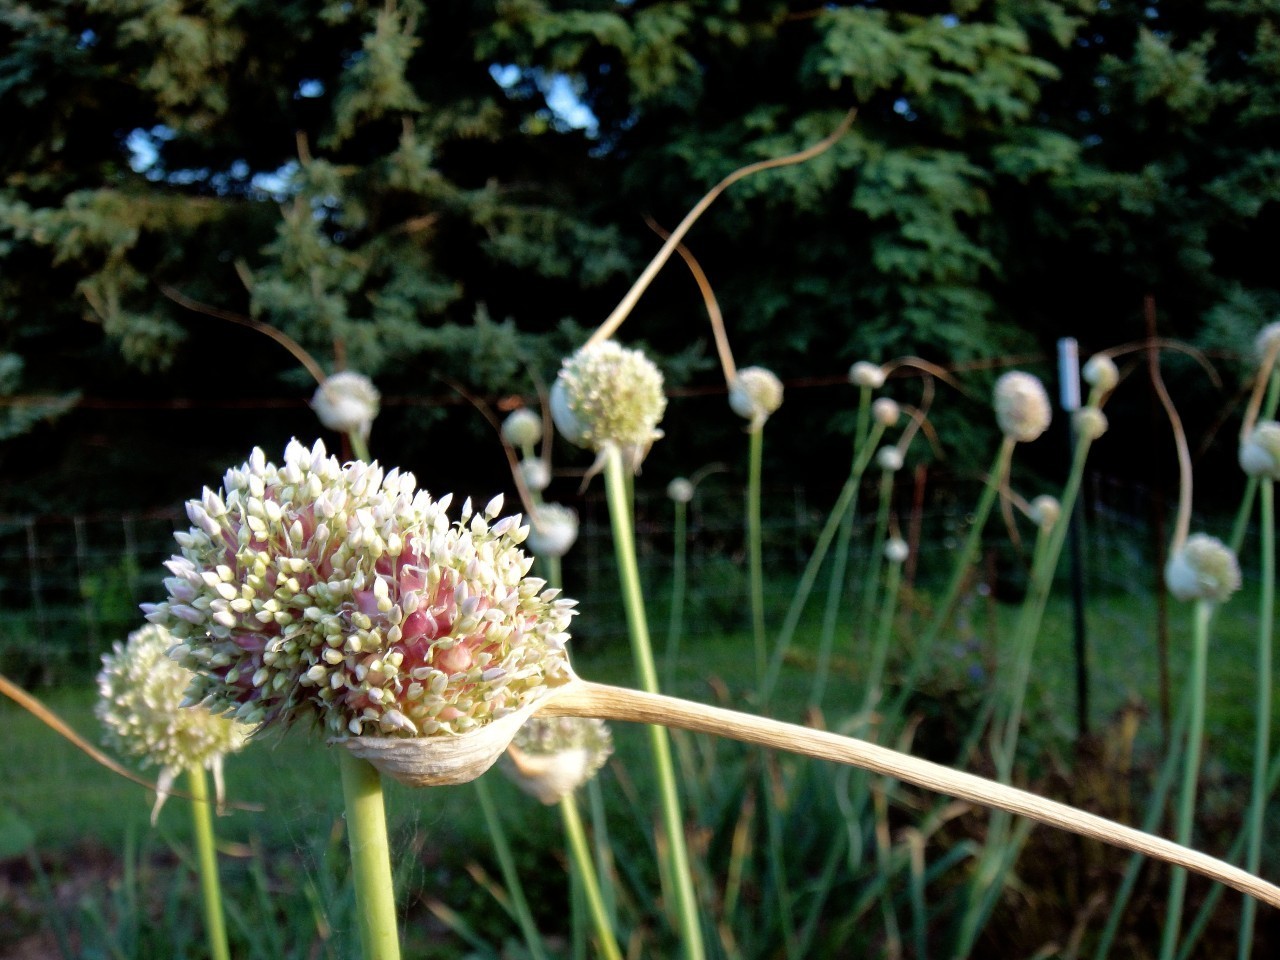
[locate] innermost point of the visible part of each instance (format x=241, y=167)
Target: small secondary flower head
x=1022, y=406
x=866, y=374
x=1260, y=451
x=896, y=550
x=885, y=411
x=889, y=458
x=553, y=529
x=1204, y=569
x=680, y=490
x=1090, y=423
x=606, y=395
x=522, y=428
x=1101, y=372
x=551, y=757
x=1044, y=511
x=140, y=694
x=535, y=473
x=345, y=594
x=754, y=395
x=347, y=402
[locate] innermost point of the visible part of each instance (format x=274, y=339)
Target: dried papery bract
x=609, y=396
x=551, y=757
x=346, y=595
x=755, y=393
x=140, y=696
x=347, y=402
x=1022, y=406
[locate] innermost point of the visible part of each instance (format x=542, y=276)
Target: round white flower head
x=1267, y=338
x=866, y=374
x=553, y=528
x=606, y=394
x=1204, y=569
x=347, y=402
x=552, y=757
x=1100, y=371
x=885, y=411
x=889, y=458
x=755, y=394
x=680, y=490
x=1260, y=451
x=535, y=473
x=1044, y=511
x=896, y=550
x=1090, y=423
x=1022, y=406
x=522, y=428
x=345, y=594
x=140, y=695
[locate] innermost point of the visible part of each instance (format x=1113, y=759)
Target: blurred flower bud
x=535, y=473
x=1267, y=339
x=896, y=550
x=1260, y=451
x=606, y=394
x=1022, y=406
x=1090, y=423
x=1045, y=511
x=680, y=490
x=1100, y=371
x=755, y=394
x=552, y=757
x=1204, y=569
x=889, y=458
x=866, y=374
x=553, y=529
x=347, y=402
x=885, y=411
x=522, y=428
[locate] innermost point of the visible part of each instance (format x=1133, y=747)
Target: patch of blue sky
x=560, y=91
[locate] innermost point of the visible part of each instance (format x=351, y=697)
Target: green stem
x=755, y=538
x=675, y=620
x=207, y=860
x=578, y=846
x=359, y=446
x=1190, y=776
x=1262, y=731
x=633, y=601
x=370, y=858
x=510, y=875
x=551, y=570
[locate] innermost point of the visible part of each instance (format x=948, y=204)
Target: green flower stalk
x=680, y=493
x=140, y=706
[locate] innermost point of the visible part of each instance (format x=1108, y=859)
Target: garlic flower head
x=1044, y=511
x=140, y=696
x=1090, y=423
x=866, y=374
x=522, y=428
x=551, y=757
x=344, y=594
x=535, y=473
x=347, y=402
x=896, y=550
x=1204, y=569
x=680, y=490
x=1260, y=451
x=1022, y=406
x=755, y=394
x=606, y=394
x=889, y=458
x=553, y=529
x=1101, y=373
x=885, y=411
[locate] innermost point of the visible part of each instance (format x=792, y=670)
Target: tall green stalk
x=1190, y=776
x=578, y=847
x=755, y=539
x=1262, y=729
x=207, y=860
x=510, y=875
x=370, y=858
x=690, y=927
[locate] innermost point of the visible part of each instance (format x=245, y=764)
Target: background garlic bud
x=755, y=394
x=522, y=428
x=606, y=394
x=535, y=473
x=866, y=374
x=347, y=402
x=885, y=411
x=1022, y=406
x=896, y=550
x=1204, y=569
x=1260, y=451
x=1266, y=339
x=889, y=458
x=680, y=490
x=1090, y=423
x=1100, y=371
x=1044, y=511
x=553, y=529
x=552, y=757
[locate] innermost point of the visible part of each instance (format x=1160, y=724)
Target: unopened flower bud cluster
x=553, y=530
x=344, y=593
x=605, y=395
x=1204, y=568
x=347, y=402
x=755, y=394
x=1022, y=406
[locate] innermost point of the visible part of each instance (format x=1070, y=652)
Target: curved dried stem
x=586, y=699
x=624, y=308
x=1183, y=526
x=1162, y=343
x=932, y=369
x=708, y=300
